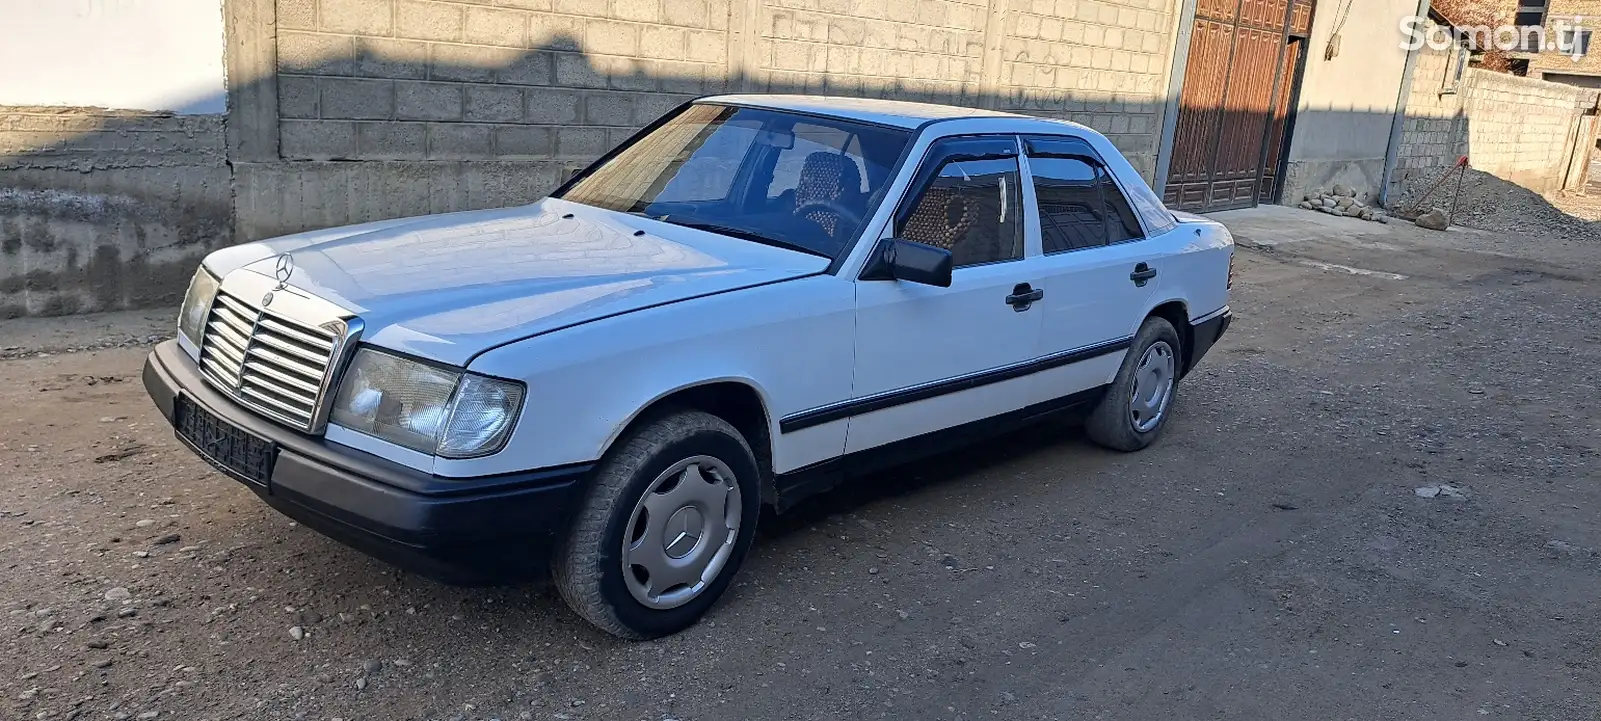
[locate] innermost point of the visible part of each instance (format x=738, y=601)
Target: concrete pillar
x=251, y=59
x=989, y=82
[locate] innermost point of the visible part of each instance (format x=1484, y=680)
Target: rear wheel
x=669, y=517
x=1136, y=406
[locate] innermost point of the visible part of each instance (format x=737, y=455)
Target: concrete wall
x=1347, y=103
x=114, y=175
x=341, y=111
x=1103, y=64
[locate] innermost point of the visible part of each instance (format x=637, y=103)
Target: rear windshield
x=785, y=179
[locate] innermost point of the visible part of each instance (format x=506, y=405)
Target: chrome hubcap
x=1153, y=386
x=681, y=532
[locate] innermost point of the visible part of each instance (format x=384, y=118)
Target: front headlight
x=424, y=407
x=197, y=305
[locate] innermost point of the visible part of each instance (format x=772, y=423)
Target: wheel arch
x=736, y=400
x=1177, y=314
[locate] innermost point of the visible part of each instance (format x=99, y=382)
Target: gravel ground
x=1377, y=500
x=1486, y=202
x=1586, y=208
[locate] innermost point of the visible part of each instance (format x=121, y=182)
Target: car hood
x=447, y=287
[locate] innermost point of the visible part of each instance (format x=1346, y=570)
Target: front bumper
x=459, y=530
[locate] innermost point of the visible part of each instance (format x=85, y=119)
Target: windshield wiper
x=743, y=234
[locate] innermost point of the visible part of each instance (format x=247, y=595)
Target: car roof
x=895, y=113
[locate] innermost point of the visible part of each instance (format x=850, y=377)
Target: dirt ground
x=1377, y=500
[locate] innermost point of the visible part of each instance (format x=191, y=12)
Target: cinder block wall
x=1520, y=129
x=397, y=107
x=1103, y=64
x=1434, y=131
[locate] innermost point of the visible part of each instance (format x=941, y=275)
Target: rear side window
x=1158, y=219
x=1080, y=204
x=1121, y=224
x=1072, y=214
x=967, y=202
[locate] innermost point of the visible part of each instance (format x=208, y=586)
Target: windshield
x=768, y=176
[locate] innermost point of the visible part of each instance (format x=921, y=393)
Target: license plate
x=230, y=450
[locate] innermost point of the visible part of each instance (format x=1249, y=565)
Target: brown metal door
x=1278, y=123
x=1229, y=121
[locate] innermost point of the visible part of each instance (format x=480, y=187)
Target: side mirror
x=913, y=262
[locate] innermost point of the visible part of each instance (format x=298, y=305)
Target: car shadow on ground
x=515, y=608
x=951, y=467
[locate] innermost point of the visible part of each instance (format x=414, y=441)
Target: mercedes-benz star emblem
x=683, y=532
x=284, y=268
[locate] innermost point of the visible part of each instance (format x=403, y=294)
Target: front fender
x=645, y=407
x=792, y=342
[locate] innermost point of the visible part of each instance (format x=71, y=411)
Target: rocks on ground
x=1435, y=219
x=1341, y=200
x=1441, y=491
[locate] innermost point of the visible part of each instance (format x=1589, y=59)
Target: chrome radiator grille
x=266, y=361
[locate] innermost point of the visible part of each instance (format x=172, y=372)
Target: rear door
x=1101, y=272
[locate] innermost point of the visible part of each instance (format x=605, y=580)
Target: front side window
x=967, y=202
x=769, y=176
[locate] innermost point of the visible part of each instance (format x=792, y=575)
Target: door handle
x=1142, y=274
x=1023, y=295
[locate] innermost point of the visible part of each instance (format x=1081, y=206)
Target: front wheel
x=668, y=519
x=1137, y=404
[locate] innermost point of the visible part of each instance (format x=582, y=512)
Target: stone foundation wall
x=102, y=210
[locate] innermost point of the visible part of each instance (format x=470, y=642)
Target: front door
x=928, y=358
x=1100, y=273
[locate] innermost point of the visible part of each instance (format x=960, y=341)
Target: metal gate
x=1234, y=108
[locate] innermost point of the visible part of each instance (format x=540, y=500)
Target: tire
x=1113, y=423
x=617, y=522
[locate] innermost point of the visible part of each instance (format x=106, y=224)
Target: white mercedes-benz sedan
x=751, y=300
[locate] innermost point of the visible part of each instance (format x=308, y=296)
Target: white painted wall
x=123, y=54
x=1348, y=102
